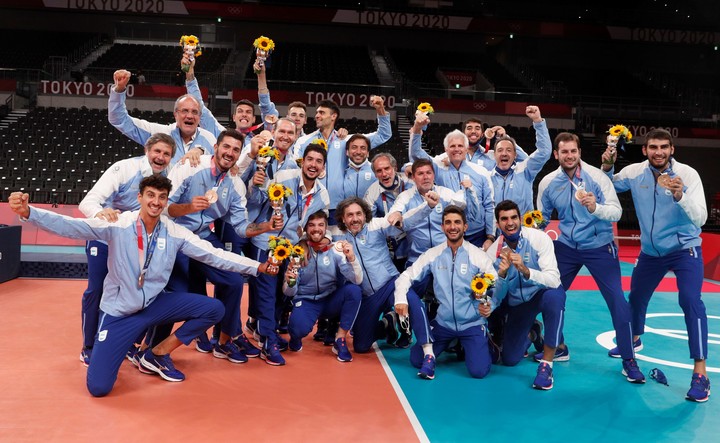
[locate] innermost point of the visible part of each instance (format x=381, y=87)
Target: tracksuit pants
x=604, y=267
x=116, y=334
x=343, y=302
x=687, y=264
x=473, y=339
x=97, y=256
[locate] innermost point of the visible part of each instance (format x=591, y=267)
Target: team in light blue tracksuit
x=140, y=130
x=450, y=173
x=116, y=190
x=516, y=182
x=358, y=179
x=337, y=161
x=587, y=235
x=127, y=309
x=189, y=275
x=368, y=236
x=670, y=241
x=319, y=291
x=458, y=314
x=295, y=211
x=481, y=142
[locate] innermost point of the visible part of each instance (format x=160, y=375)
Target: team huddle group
x=438, y=249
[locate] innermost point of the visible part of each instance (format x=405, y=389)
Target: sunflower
x=198, y=54
x=299, y=161
x=528, y=221
x=288, y=192
x=276, y=192
x=628, y=136
x=489, y=280
x=281, y=252
x=537, y=215
x=616, y=130
x=190, y=40
x=264, y=151
x=426, y=108
x=478, y=285
x=298, y=251
x=321, y=143
x=264, y=43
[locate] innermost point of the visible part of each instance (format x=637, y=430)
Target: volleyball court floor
x=375, y=398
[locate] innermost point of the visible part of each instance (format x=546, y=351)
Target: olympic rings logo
x=606, y=340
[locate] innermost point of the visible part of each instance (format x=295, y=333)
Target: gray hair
x=388, y=156
x=453, y=135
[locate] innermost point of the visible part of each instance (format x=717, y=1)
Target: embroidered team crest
x=326, y=260
x=102, y=335
x=362, y=240
x=93, y=251
x=336, y=144
x=298, y=303
x=463, y=268
x=439, y=208
x=161, y=243
x=367, y=176
x=225, y=193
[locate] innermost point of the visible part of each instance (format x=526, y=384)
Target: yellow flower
x=281, y=252
x=628, y=136
x=298, y=251
x=288, y=192
x=528, y=221
x=616, y=130
x=264, y=151
x=479, y=285
x=198, y=54
x=321, y=143
x=299, y=162
x=264, y=43
x=537, y=215
x=425, y=107
x=276, y=192
x=189, y=40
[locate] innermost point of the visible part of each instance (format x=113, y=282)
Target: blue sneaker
x=271, y=354
x=615, y=352
x=341, y=350
x=251, y=328
x=162, y=365
x=85, y=356
x=244, y=344
x=282, y=344
x=132, y=352
x=135, y=360
x=295, y=344
x=699, y=389
x=632, y=372
x=230, y=351
x=203, y=344
x=560, y=355
x=536, y=336
x=544, y=377
x=427, y=370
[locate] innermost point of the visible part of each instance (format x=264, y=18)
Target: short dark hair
x=232, y=133
x=318, y=214
x=508, y=138
x=245, y=102
x=420, y=163
x=659, y=134
x=506, y=205
x=357, y=137
x=297, y=105
x=453, y=209
x=340, y=210
x=565, y=137
x=159, y=137
x=156, y=181
x=330, y=105
x=314, y=147
x=471, y=120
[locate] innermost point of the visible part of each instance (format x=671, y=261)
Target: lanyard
x=308, y=200
x=577, y=175
x=384, y=197
x=151, y=250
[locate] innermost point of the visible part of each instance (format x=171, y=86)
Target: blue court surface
x=591, y=400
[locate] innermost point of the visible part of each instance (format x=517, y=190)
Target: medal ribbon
x=150, y=252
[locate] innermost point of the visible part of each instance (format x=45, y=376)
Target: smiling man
x=201, y=195
x=133, y=296
x=115, y=192
x=587, y=205
x=185, y=132
x=670, y=206
x=359, y=174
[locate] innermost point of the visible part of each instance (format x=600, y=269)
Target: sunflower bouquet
x=279, y=248
x=277, y=193
x=618, y=135
x=263, y=47
x=480, y=285
x=296, y=257
x=533, y=219
x=191, y=47
x=424, y=109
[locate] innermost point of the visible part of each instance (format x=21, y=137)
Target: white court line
x=419, y=431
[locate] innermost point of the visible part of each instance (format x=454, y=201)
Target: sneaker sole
x=150, y=367
x=227, y=357
x=543, y=388
x=560, y=359
x=425, y=376
x=82, y=360
x=638, y=349
x=141, y=368
x=199, y=349
x=271, y=363
x=637, y=381
x=335, y=351
x=698, y=400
